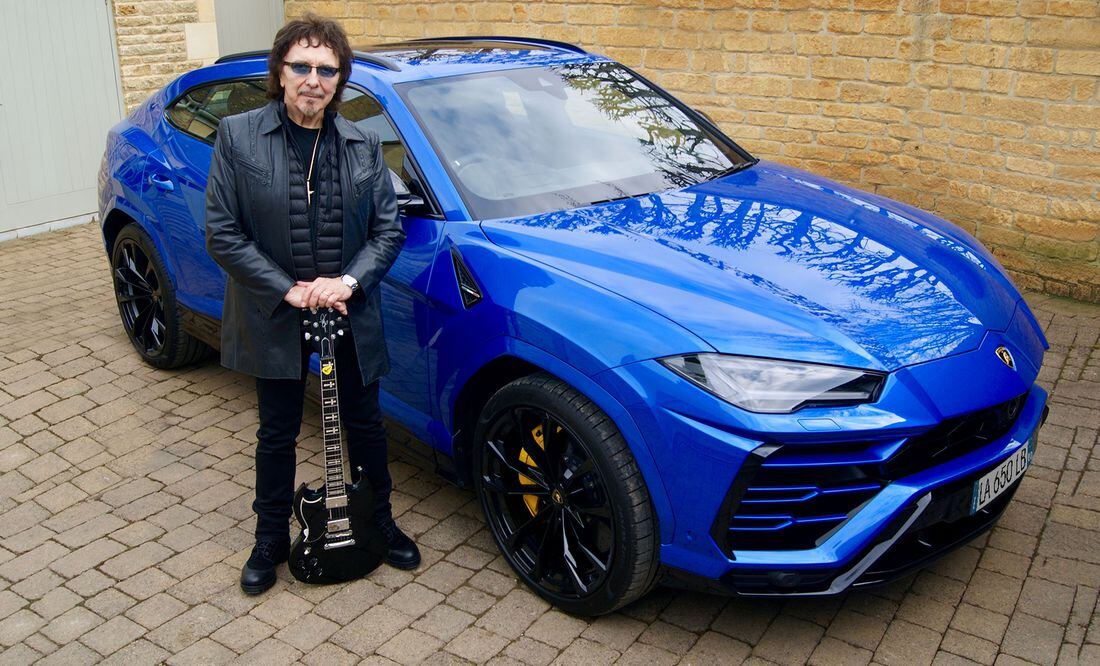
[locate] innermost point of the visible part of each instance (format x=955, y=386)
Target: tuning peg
x=316, y=325
x=339, y=318
x=332, y=336
x=307, y=335
x=340, y=332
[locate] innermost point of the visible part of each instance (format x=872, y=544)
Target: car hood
x=776, y=262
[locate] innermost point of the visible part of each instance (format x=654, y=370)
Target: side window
x=198, y=111
x=363, y=110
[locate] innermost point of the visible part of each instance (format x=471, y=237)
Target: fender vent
x=467, y=286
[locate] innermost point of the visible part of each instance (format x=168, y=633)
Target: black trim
x=526, y=41
x=468, y=288
x=207, y=329
x=719, y=528
x=697, y=116
x=205, y=84
x=369, y=58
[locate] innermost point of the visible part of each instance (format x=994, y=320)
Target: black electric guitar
x=338, y=541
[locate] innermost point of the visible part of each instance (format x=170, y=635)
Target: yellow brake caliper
x=532, y=501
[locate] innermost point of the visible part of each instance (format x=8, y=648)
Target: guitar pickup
x=338, y=525
x=336, y=501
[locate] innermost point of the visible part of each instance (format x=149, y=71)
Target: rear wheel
x=147, y=302
x=564, y=498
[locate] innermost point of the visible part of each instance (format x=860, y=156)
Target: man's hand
x=326, y=293
x=296, y=296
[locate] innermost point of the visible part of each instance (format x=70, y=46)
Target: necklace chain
x=309, y=176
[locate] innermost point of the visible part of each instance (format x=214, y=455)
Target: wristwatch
x=351, y=282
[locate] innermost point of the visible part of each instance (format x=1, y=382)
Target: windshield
x=534, y=140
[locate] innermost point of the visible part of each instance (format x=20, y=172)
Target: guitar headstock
x=322, y=328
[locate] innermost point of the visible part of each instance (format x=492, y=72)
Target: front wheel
x=563, y=497
x=147, y=302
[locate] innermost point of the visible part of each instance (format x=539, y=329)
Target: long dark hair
x=316, y=31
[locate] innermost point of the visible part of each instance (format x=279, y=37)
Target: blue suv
x=654, y=356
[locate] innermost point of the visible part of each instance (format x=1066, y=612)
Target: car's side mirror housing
x=405, y=198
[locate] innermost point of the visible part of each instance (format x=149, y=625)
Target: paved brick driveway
x=124, y=515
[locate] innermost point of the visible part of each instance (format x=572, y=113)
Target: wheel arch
x=505, y=359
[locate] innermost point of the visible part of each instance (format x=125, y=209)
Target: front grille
x=794, y=498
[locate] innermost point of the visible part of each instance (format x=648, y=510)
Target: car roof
x=439, y=57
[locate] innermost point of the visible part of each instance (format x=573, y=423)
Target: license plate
x=990, y=486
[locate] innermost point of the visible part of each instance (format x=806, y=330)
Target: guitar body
x=338, y=541
x=310, y=560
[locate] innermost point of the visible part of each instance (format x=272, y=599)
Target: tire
x=578, y=491
x=147, y=302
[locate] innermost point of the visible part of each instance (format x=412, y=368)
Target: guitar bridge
x=339, y=540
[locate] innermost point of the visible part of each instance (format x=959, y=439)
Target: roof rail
x=241, y=56
x=376, y=60
x=532, y=41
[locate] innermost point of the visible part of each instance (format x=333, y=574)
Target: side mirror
x=405, y=198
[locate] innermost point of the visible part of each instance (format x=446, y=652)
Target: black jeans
x=281, y=403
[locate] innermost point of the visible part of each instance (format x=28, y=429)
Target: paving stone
x=113, y=635
x=414, y=599
x=109, y=603
x=476, y=644
x=369, y=631
x=1032, y=638
x=87, y=557
x=71, y=625
x=444, y=622
x=640, y=654
x=831, y=651
x=511, y=615
x=140, y=651
x=307, y=632
x=156, y=610
x=18, y=626
x=1047, y=600
x=348, y=603
x=55, y=602
x=444, y=577
x=204, y=652
x=145, y=584
x=73, y=654
x=556, y=628
x=907, y=643
x=527, y=651
x=410, y=646
x=90, y=582
x=789, y=640
x=243, y=633
x=134, y=560
x=328, y=654
x=857, y=629
x=188, y=627
x=668, y=637
x=980, y=622
x=583, y=652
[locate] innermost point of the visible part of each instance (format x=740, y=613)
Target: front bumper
x=908, y=511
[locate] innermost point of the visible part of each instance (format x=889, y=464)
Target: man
x=301, y=213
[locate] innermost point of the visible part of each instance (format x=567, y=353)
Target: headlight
x=776, y=387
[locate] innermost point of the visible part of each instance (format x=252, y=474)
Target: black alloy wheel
x=147, y=302
x=563, y=497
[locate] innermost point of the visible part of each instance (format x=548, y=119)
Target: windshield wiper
x=734, y=169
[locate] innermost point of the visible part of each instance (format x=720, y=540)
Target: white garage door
x=59, y=96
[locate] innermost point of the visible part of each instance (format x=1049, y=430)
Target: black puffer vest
x=316, y=230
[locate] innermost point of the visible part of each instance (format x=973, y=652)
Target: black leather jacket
x=248, y=235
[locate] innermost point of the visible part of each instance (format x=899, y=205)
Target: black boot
x=258, y=574
x=401, y=552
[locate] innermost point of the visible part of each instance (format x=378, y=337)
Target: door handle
x=162, y=182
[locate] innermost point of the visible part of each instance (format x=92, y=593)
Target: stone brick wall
x=158, y=40
x=985, y=112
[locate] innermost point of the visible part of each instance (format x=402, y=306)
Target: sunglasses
x=303, y=69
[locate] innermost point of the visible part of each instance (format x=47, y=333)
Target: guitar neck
x=331, y=433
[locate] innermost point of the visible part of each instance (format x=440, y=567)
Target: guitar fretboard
x=332, y=439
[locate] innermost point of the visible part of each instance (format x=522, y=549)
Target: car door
x=405, y=307
x=179, y=171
